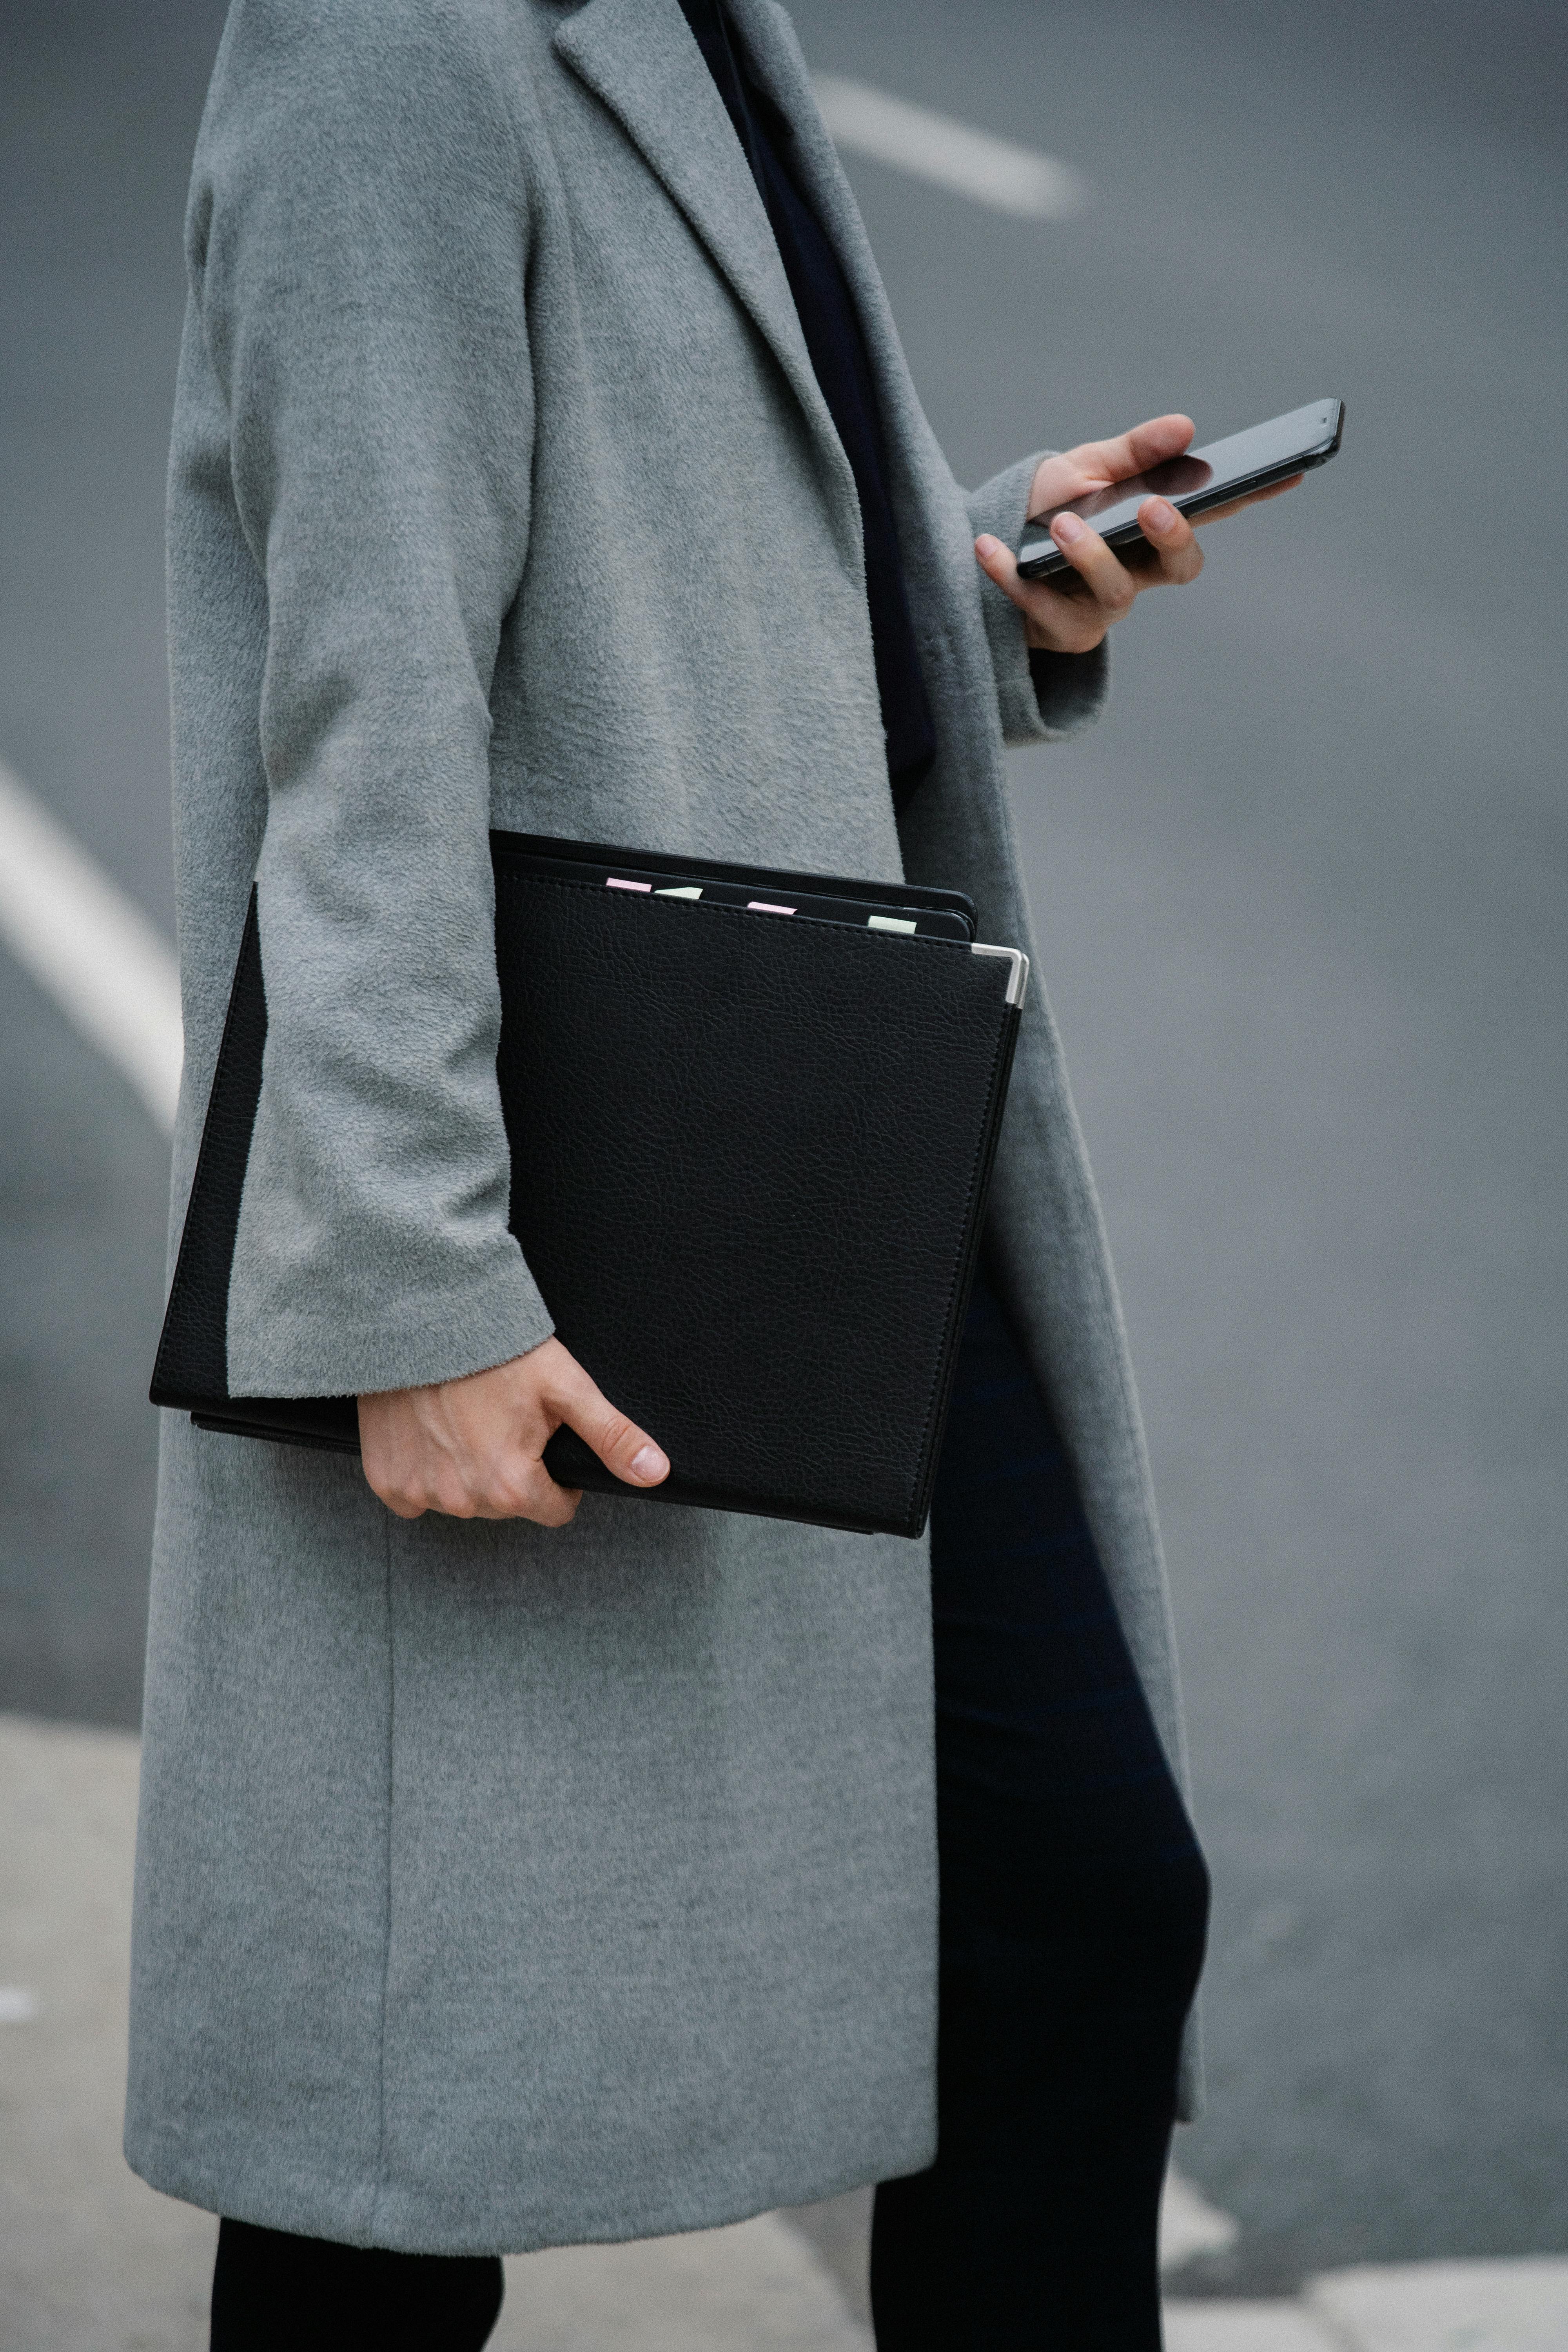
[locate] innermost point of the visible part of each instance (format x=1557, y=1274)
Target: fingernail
x=1159, y=516
x=1067, y=529
x=985, y=544
x=650, y=1465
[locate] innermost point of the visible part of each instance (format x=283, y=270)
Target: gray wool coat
x=499, y=1887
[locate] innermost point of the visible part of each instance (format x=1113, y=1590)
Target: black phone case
x=749, y=1164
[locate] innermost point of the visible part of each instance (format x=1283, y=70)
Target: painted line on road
x=112, y=973
x=1517, y=2304
x=973, y=163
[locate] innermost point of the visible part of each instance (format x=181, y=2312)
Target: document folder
x=752, y=1117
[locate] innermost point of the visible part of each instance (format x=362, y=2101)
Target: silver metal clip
x=1018, y=978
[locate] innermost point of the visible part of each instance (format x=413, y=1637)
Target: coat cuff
x=359, y=1348
x=1043, y=697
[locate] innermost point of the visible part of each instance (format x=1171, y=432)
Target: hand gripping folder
x=752, y=1117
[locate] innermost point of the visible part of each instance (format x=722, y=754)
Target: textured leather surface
x=326, y=1425
x=748, y=1160
x=749, y=1157
x=192, y=1351
x=192, y=1366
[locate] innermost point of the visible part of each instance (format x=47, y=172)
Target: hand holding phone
x=1091, y=584
x=1206, y=482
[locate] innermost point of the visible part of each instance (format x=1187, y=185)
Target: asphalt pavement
x=1302, y=909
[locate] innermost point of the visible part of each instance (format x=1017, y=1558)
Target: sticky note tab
x=889, y=923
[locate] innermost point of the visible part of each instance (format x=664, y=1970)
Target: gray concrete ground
x=83, y=1187
x=1302, y=905
x=93, y=2261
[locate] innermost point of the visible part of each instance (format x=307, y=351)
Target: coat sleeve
x=1044, y=697
x=357, y=244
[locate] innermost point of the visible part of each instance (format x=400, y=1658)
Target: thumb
x=626, y=1450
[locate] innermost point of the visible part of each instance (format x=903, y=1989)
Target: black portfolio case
x=749, y=1157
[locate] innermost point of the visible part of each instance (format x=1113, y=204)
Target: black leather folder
x=752, y=1117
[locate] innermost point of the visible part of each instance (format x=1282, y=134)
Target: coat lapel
x=638, y=57
x=778, y=67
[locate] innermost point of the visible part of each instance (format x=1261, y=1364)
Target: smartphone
x=1202, y=479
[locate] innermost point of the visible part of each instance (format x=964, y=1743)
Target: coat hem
x=396, y=2227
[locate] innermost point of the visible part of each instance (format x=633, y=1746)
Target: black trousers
x=1074, y=1911
x=275, y=2293
x=1074, y=1908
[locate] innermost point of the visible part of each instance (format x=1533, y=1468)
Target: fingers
x=457, y=1448
x=500, y=1489
x=1104, y=574
x=999, y=564
x=498, y=1492
x=1095, y=464
x=1056, y=621
x=468, y=1448
x=623, y=1449
x=1076, y=621
x=1134, y=452
x=1172, y=537
x=473, y=1448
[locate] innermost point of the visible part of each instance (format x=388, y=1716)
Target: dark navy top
x=837, y=352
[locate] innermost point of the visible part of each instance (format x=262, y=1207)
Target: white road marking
x=1190, y=2225
x=112, y=973
x=1516, y=2305
x=994, y=172
x=19, y=2004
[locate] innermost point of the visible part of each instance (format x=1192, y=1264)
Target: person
x=517, y=1868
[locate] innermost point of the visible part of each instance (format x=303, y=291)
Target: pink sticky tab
x=760, y=906
x=615, y=883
